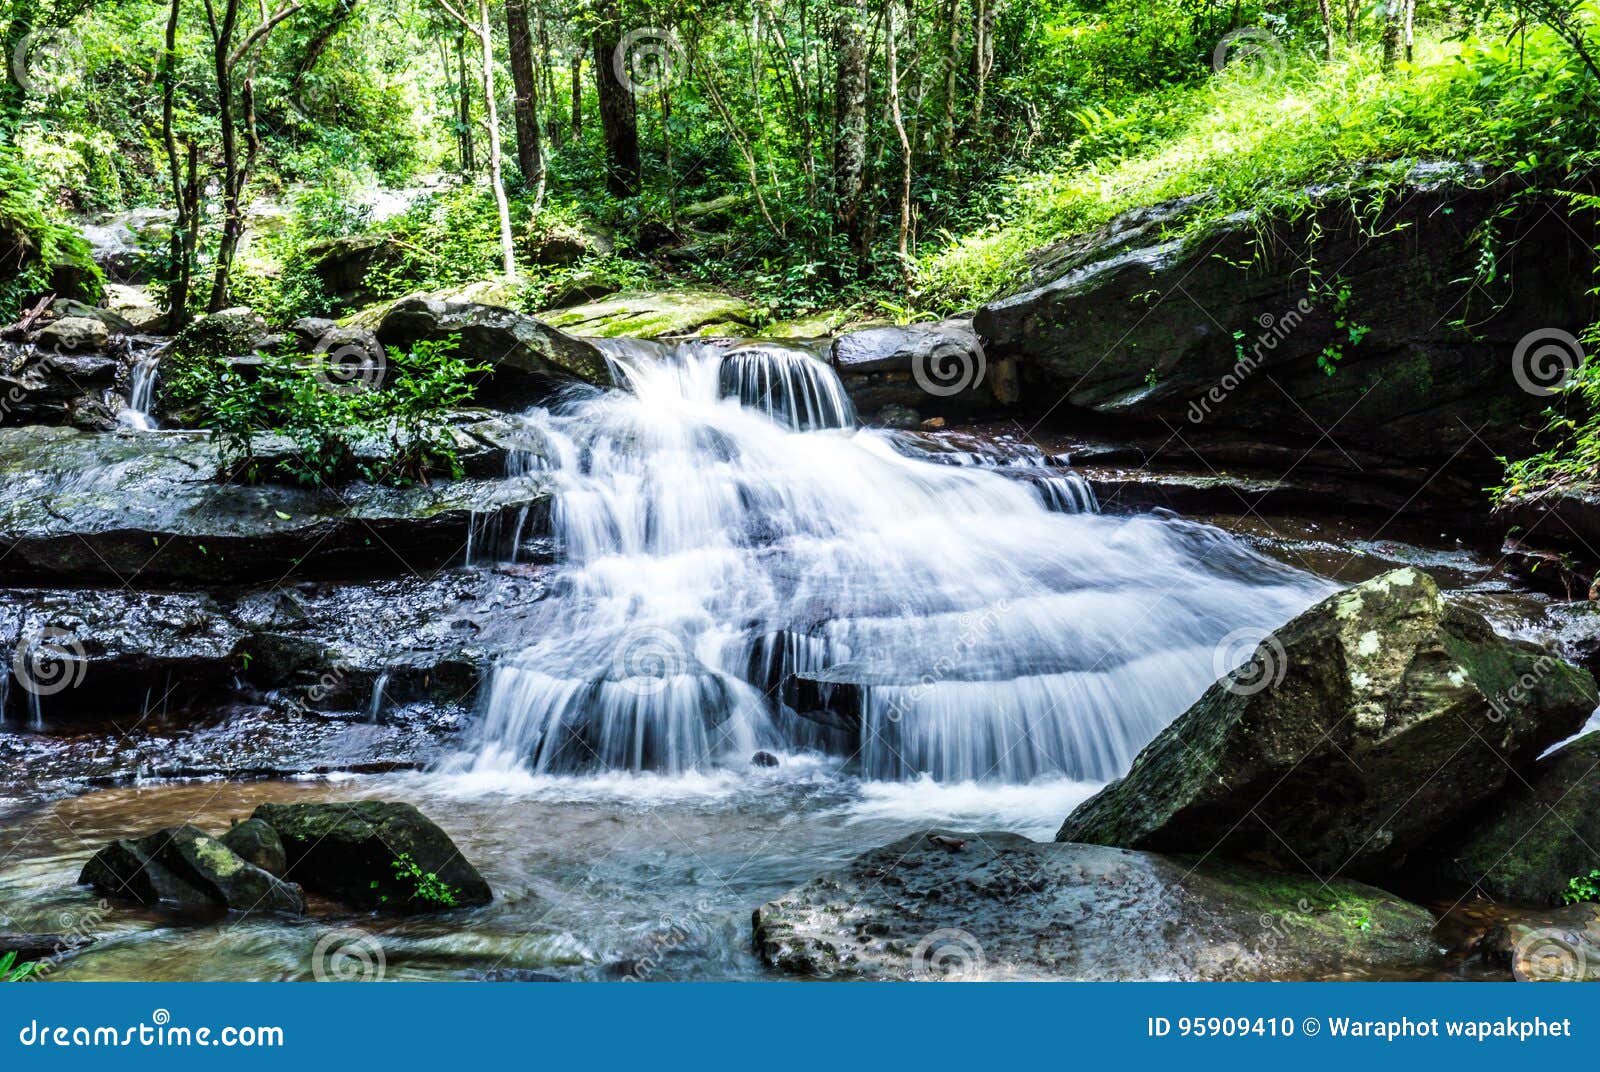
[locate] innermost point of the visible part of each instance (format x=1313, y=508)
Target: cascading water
x=721, y=527
x=135, y=413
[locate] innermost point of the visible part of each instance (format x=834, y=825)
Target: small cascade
x=136, y=412
x=718, y=527
x=375, y=705
x=789, y=385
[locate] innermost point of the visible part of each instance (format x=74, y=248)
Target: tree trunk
x=892, y=51
x=850, y=119
x=181, y=248
x=508, y=249
x=947, y=133
x=577, y=96
x=1410, y=21
x=1391, y=33
x=232, y=213
x=1326, y=9
x=982, y=59
x=618, y=121
x=525, y=99
x=469, y=163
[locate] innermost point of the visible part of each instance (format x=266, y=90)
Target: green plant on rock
x=340, y=427
x=13, y=972
x=1582, y=888
x=426, y=886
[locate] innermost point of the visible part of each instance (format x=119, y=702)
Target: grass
x=1257, y=142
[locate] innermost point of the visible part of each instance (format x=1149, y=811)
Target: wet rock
x=562, y=245
x=185, y=867
x=113, y=653
x=153, y=506
x=257, y=843
x=135, y=306
x=934, y=367
x=657, y=314
x=1141, y=327
x=1538, y=834
x=349, y=851
x=31, y=948
x=1562, y=946
x=74, y=334
x=1365, y=729
x=71, y=307
x=82, y=371
x=126, y=246
x=1005, y=907
x=764, y=759
x=528, y=358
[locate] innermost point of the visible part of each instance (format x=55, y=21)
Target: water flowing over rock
x=657, y=314
x=787, y=384
x=1358, y=733
x=938, y=369
x=1002, y=907
x=707, y=552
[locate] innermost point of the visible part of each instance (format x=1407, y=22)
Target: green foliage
x=427, y=887
x=1572, y=458
x=1582, y=888
x=39, y=252
x=13, y=972
x=340, y=423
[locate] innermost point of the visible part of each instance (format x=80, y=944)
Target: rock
x=562, y=245
x=71, y=307
x=1562, y=946
x=105, y=654
x=1566, y=517
x=342, y=265
x=816, y=326
x=1541, y=832
x=1177, y=331
x=31, y=948
x=126, y=246
x=714, y=214
x=184, y=866
x=135, y=306
x=82, y=371
x=74, y=334
x=349, y=851
x=528, y=358
x=1368, y=727
x=227, y=333
x=763, y=759
x=1004, y=907
x=257, y=843
x=308, y=331
x=81, y=508
x=935, y=366
x=656, y=314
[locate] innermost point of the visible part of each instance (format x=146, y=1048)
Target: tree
x=235, y=120
x=619, y=123
x=482, y=29
x=525, y=98
x=850, y=120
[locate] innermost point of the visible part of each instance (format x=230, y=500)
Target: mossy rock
x=657, y=314
x=184, y=866
x=1366, y=729
x=349, y=851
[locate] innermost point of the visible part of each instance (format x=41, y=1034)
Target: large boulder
x=528, y=358
x=1562, y=946
x=74, y=334
x=375, y=854
x=342, y=265
x=658, y=314
x=998, y=906
x=938, y=368
x=1218, y=330
x=1366, y=728
x=1535, y=837
x=259, y=844
x=185, y=867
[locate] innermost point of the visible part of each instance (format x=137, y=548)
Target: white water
x=141, y=393
x=707, y=550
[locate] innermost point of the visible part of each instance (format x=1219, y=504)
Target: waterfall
x=719, y=528
x=375, y=705
x=141, y=391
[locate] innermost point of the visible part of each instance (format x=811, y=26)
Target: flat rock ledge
x=1002, y=907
